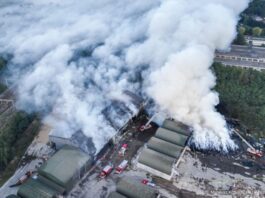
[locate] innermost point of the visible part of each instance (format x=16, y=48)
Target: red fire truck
x=123, y=149
x=121, y=167
x=106, y=171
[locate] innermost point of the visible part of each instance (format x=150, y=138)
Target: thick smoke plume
x=70, y=58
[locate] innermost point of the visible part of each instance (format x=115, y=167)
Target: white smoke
x=162, y=48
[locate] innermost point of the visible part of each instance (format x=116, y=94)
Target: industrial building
x=243, y=56
x=177, y=127
x=162, y=151
x=130, y=188
x=117, y=115
x=58, y=175
x=255, y=41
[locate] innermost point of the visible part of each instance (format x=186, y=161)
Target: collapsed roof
x=116, y=115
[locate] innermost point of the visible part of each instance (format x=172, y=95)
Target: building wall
x=233, y=57
x=59, y=141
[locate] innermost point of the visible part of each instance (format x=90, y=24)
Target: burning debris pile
x=70, y=66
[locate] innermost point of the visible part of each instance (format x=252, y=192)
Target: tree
x=2, y=63
x=240, y=39
x=4, y=154
x=242, y=30
x=242, y=96
x=263, y=33
x=256, y=31
x=256, y=7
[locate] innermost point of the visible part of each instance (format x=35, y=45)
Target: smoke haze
x=71, y=58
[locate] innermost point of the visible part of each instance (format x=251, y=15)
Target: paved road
x=243, y=56
x=246, y=51
x=238, y=63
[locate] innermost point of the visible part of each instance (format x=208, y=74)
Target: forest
x=242, y=96
x=2, y=67
x=15, y=136
x=252, y=22
x=256, y=7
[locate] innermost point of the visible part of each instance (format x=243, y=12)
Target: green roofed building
x=164, y=147
x=131, y=188
x=156, y=160
x=116, y=195
x=177, y=127
x=66, y=167
x=170, y=136
x=58, y=175
x=34, y=188
x=12, y=196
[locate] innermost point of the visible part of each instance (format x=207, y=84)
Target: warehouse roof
x=171, y=136
x=176, y=126
x=34, y=188
x=51, y=184
x=156, y=160
x=116, y=195
x=135, y=189
x=164, y=147
x=12, y=196
x=66, y=163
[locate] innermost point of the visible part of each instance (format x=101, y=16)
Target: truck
x=106, y=171
x=255, y=152
x=121, y=167
x=123, y=149
x=148, y=182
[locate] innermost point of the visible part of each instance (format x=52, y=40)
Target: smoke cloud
x=70, y=59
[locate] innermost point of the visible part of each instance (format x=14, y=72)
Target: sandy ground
x=43, y=135
x=196, y=177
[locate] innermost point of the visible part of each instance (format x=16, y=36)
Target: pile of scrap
x=58, y=175
x=130, y=188
x=163, y=150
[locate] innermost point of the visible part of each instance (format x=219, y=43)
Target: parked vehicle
x=123, y=165
x=106, y=171
x=123, y=149
x=255, y=152
x=23, y=179
x=148, y=182
x=145, y=127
